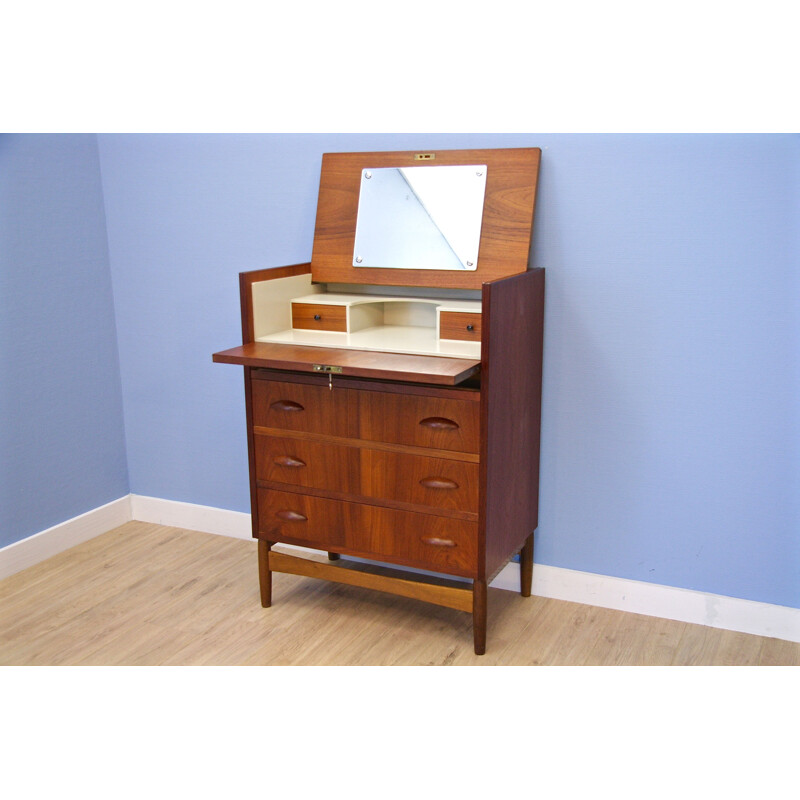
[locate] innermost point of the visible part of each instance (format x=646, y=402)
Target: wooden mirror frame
x=509, y=204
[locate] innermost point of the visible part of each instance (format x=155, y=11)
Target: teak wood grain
x=440, y=484
x=389, y=447
x=368, y=531
x=511, y=396
x=463, y=325
x=384, y=502
x=364, y=474
x=438, y=423
x=511, y=180
x=319, y=316
x=469, y=392
x=359, y=363
x=456, y=597
x=291, y=406
x=303, y=463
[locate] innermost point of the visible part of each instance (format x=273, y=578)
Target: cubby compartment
x=419, y=325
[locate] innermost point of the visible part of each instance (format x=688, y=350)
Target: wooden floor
x=147, y=594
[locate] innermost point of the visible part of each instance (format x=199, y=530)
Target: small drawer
x=304, y=407
x=299, y=462
x=319, y=317
x=464, y=325
x=425, y=541
x=434, y=422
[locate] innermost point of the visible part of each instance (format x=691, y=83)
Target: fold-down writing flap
x=358, y=363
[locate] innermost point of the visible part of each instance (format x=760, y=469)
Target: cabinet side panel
x=250, y=314
x=511, y=392
x=251, y=448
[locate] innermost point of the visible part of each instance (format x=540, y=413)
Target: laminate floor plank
x=635, y=640
x=146, y=594
x=277, y=634
x=779, y=653
x=562, y=634
x=697, y=646
x=738, y=649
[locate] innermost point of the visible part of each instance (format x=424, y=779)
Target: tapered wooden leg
x=264, y=573
x=479, y=616
x=333, y=556
x=526, y=567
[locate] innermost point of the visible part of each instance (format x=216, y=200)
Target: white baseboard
x=637, y=597
x=655, y=600
x=33, y=549
x=191, y=517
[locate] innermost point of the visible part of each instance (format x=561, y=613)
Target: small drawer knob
x=317, y=317
x=470, y=327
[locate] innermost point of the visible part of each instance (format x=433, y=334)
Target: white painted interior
x=272, y=299
x=361, y=316
x=378, y=323
x=386, y=338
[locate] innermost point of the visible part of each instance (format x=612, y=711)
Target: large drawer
x=301, y=462
x=435, y=422
x=426, y=541
x=439, y=483
x=305, y=407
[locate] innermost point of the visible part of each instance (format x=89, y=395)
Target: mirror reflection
x=420, y=217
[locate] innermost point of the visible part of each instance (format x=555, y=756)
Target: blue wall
x=671, y=443
x=62, y=447
x=671, y=418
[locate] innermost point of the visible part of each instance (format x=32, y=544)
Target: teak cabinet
x=399, y=425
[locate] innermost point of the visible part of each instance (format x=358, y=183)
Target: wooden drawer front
x=304, y=407
x=435, y=482
x=438, y=423
x=305, y=463
x=319, y=317
x=464, y=325
x=440, y=544
x=438, y=483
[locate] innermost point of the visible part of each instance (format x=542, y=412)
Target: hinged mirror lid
x=505, y=192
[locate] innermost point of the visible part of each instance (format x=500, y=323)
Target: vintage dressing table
x=393, y=384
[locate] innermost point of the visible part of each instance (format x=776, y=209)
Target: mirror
x=420, y=217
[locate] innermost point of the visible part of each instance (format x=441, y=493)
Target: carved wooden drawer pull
x=286, y=405
x=439, y=423
x=438, y=542
x=288, y=461
x=438, y=483
x=291, y=516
